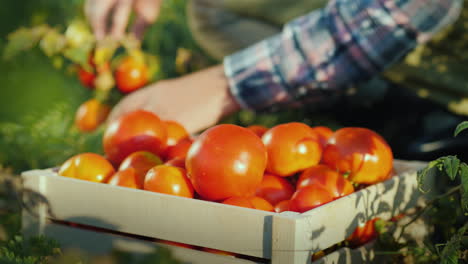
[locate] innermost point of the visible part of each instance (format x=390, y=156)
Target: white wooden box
x=277, y=238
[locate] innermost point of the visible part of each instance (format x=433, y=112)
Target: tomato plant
x=291, y=147
x=87, y=166
x=135, y=131
x=225, y=161
x=360, y=152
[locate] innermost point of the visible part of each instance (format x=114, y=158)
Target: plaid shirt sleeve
x=331, y=49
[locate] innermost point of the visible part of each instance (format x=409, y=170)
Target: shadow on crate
x=369, y=204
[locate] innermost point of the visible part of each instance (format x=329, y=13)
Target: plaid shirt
x=331, y=49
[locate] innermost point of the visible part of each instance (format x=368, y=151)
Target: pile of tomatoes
x=289, y=167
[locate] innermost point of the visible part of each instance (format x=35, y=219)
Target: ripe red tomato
x=169, y=180
x=178, y=150
x=239, y=201
x=282, y=206
x=90, y=115
x=225, y=161
x=361, y=152
x=330, y=179
x=86, y=78
x=177, y=162
x=141, y=162
x=363, y=234
x=131, y=75
x=261, y=204
x=274, y=189
x=292, y=147
x=125, y=178
x=323, y=133
x=259, y=130
x=309, y=197
x=175, y=132
x=253, y=202
x=132, y=132
x=87, y=166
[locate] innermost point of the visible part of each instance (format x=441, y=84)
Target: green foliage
x=464, y=188
x=447, y=214
x=451, y=252
x=161, y=255
x=23, y=39
x=168, y=36
x=451, y=167
x=35, y=250
x=462, y=126
x=42, y=141
x=437, y=69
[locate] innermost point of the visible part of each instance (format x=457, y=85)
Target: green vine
x=446, y=213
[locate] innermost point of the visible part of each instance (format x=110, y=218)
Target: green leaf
x=105, y=50
x=23, y=39
x=78, y=34
x=462, y=126
x=464, y=187
x=79, y=55
x=451, y=165
x=451, y=252
x=422, y=174
x=52, y=42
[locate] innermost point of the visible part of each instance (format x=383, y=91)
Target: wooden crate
x=280, y=238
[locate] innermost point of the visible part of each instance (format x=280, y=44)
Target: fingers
x=139, y=27
x=97, y=12
x=146, y=12
x=120, y=18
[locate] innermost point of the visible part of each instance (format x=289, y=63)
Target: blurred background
x=408, y=105
x=38, y=100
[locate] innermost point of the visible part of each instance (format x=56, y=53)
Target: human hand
x=197, y=101
x=110, y=17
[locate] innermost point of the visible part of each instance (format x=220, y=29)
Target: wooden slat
x=196, y=222
x=99, y=243
x=285, y=237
